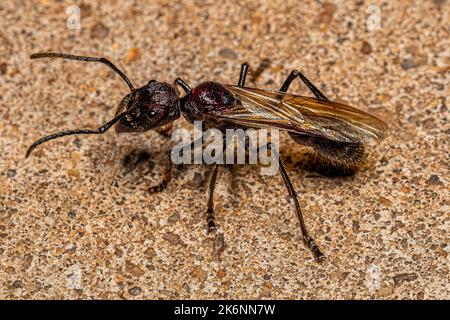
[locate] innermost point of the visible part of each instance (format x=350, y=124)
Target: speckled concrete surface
x=73, y=225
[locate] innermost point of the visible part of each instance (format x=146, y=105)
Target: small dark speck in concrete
x=355, y=226
x=99, y=30
x=408, y=64
x=439, y=2
x=366, y=48
x=71, y=214
x=135, y=291
x=227, y=53
x=173, y=218
x=173, y=239
x=3, y=68
x=434, y=180
x=11, y=173
x=404, y=277
x=17, y=284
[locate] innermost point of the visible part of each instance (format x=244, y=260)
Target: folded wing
x=258, y=108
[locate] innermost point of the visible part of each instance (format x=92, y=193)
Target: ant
x=337, y=132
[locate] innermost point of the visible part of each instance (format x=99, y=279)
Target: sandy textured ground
x=73, y=225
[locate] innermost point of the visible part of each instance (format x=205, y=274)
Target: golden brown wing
x=258, y=108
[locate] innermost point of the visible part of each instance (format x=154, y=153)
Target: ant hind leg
x=294, y=74
x=307, y=239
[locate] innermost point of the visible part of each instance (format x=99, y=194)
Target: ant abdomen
x=340, y=156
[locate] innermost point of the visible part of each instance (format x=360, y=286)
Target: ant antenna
x=105, y=61
x=100, y=130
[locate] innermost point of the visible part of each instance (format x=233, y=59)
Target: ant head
x=151, y=106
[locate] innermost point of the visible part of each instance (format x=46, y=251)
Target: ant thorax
x=206, y=99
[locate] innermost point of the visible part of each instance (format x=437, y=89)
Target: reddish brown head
x=152, y=105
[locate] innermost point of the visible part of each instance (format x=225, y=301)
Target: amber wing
x=258, y=108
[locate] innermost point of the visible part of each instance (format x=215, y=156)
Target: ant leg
x=211, y=226
x=165, y=131
x=183, y=85
x=294, y=74
x=99, y=130
x=255, y=74
x=66, y=56
x=243, y=74
x=309, y=241
x=168, y=168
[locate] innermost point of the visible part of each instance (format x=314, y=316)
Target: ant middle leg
x=168, y=164
x=307, y=239
x=245, y=68
x=294, y=74
x=211, y=226
x=243, y=74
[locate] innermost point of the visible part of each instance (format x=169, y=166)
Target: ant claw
x=211, y=228
x=314, y=248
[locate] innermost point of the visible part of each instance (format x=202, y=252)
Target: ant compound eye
x=152, y=113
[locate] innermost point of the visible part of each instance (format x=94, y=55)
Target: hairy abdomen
x=346, y=157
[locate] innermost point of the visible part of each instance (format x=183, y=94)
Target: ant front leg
x=167, y=174
x=182, y=84
x=165, y=131
x=294, y=74
x=211, y=226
